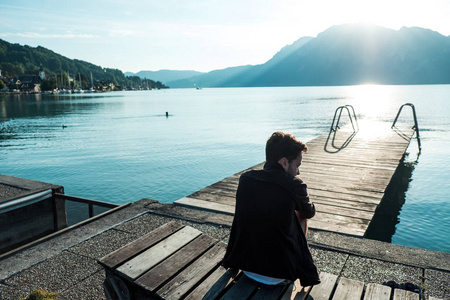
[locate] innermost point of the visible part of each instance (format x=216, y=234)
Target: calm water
x=120, y=147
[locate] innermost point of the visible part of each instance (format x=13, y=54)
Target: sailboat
x=92, y=84
x=80, y=89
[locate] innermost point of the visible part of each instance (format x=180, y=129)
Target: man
x=268, y=235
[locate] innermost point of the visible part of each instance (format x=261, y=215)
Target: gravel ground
x=7, y=191
x=149, y=222
x=328, y=261
x=55, y=274
x=437, y=284
x=75, y=274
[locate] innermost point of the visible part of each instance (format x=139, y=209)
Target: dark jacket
x=266, y=237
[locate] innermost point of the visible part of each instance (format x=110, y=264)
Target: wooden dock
x=346, y=172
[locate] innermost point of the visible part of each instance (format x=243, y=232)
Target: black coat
x=266, y=237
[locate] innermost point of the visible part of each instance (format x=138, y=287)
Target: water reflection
x=47, y=106
x=386, y=217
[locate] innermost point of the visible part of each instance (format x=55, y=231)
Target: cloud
x=125, y=33
x=48, y=36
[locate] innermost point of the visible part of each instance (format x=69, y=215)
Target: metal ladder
x=415, y=127
x=351, y=115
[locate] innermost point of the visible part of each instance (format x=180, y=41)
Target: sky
x=200, y=35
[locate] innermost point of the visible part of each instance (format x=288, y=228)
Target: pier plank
x=162, y=272
x=377, y=292
x=242, y=289
x=405, y=295
x=192, y=275
x=296, y=291
x=214, y=284
x=123, y=254
x=349, y=289
x=324, y=290
x=206, y=205
x=146, y=260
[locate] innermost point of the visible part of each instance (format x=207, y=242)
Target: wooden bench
x=180, y=262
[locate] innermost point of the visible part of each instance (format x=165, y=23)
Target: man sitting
x=268, y=235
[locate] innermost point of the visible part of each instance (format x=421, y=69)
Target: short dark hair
x=281, y=145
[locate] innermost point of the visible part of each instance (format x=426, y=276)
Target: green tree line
x=16, y=60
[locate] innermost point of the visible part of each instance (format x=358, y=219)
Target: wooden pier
x=347, y=173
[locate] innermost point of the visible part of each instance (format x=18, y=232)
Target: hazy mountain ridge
x=165, y=75
x=345, y=55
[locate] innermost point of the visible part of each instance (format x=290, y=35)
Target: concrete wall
x=28, y=211
x=26, y=224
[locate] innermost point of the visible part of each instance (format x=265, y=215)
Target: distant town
x=66, y=84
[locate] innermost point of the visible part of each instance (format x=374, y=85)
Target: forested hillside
x=16, y=60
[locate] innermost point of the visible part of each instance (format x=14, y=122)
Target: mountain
x=345, y=55
x=165, y=75
x=216, y=78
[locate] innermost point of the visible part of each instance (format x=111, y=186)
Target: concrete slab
x=329, y=261
x=148, y=222
x=89, y=289
x=7, y=191
x=103, y=244
x=8, y=292
x=380, y=250
x=377, y=271
x=55, y=274
x=14, y=187
x=437, y=284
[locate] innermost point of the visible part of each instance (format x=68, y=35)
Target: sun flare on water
x=372, y=104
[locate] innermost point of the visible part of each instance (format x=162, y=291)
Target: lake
x=120, y=147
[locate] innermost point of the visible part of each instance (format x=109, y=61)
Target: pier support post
x=59, y=210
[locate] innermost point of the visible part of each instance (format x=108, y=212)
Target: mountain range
x=346, y=54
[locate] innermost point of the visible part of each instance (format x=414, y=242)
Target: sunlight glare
x=372, y=104
x=371, y=100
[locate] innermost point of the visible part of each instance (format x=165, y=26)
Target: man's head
x=285, y=149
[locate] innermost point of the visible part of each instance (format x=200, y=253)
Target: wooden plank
x=206, y=205
x=367, y=207
x=296, y=292
x=324, y=290
x=269, y=292
x=405, y=295
x=349, y=289
x=354, y=213
x=127, y=252
x=350, y=222
x=329, y=226
x=214, y=284
x=156, y=277
x=151, y=257
x=242, y=289
x=202, y=195
x=377, y=292
x=192, y=276
x=373, y=198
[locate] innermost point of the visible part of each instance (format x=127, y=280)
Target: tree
x=2, y=85
x=48, y=85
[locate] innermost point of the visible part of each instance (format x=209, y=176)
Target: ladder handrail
x=340, y=108
x=415, y=127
